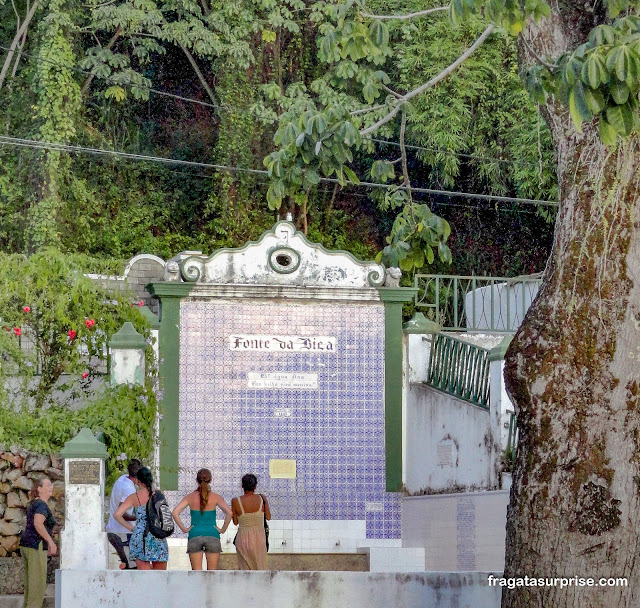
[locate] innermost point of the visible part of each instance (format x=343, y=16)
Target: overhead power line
x=43, y=145
x=228, y=109
x=450, y=152
x=30, y=143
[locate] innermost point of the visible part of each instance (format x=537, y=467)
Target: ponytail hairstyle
x=204, y=479
x=146, y=479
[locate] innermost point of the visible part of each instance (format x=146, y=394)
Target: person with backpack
x=204, y=534
x=148, y=544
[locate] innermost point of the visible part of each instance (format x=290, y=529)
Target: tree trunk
x=572, y=369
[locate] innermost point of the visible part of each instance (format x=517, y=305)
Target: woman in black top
x=36, y=543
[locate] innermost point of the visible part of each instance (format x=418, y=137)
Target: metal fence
x=460, y=369
x=492, y=304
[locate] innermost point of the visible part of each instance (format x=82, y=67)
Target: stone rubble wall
x=18, y=470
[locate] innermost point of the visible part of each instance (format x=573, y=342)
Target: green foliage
x=262, y=60
x=320, y=128
x=416, y=234
x=311, y=143
x=598, y=79
x=126, y=415
x=508, y=459
x=56, y=112
x=601, y=78
x=208, y=30
x=480, y=131
x=55, y=325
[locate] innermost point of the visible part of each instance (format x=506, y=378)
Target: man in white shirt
x=117, y=534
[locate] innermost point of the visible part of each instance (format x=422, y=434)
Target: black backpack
x=159, y=519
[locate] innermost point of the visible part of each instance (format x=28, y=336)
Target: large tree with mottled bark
x=573, y=369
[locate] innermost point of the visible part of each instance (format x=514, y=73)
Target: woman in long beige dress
x=249, y=512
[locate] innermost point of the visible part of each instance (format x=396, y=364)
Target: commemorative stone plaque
x=445, y=453
x=84, y=472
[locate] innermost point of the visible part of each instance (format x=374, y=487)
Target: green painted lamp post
x=127, y=348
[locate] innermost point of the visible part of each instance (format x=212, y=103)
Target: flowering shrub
x=59, y=323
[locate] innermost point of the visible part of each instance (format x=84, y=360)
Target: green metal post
x=393, y=299
x=170, y=295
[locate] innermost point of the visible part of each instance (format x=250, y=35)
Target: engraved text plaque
x=81, y=472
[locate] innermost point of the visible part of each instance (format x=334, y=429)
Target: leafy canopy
x=321, y=124
x=599, y=79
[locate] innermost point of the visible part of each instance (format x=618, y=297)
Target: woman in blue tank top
x=204, y=534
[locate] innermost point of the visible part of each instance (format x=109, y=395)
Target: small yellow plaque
x=282, y=469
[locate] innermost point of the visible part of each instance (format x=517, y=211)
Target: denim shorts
x=208, y=544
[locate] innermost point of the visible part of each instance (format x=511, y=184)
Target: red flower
x=17, y=331
x=141, y=303
x=89, y=323
x=85, y=375
x=72, y=334
x=26, y=309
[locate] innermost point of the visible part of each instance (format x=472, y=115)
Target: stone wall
x=140, y=270
x=12, y=575
x=18, y=470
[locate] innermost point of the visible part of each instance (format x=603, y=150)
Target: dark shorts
x=208, y=544
x=120, y=542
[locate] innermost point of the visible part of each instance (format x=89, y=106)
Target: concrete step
x=15, y=601
x=307, y=562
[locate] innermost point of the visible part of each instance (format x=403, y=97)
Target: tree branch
x=205, y=8
x=89, y=80
x=427, y=85
x=403, y=153
x=21, y=44
x=22, y=39
x=368, y=109
x=199, y=74
x=15, y=10
x=391, y=91
x=16, y=39
x=536, y=56
x=408, y=15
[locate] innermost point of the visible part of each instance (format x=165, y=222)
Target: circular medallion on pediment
x=284, y=260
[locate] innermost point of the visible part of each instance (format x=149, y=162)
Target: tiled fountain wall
x=333, y=429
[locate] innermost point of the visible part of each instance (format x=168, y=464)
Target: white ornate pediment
x=283, y=256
